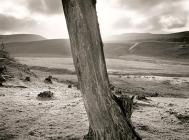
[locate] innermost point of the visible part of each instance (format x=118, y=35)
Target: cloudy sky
x=45, y=17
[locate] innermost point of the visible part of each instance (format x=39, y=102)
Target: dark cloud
x=160, y=23
x=176, y=25
x=154, y=23
x=10, y=23
x=173, y=17
x=44, y=6
x=172, y=22
x=159, y=14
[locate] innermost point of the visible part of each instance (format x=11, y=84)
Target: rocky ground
x=161, y=111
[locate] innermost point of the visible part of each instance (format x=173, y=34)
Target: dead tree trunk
x=107, y=119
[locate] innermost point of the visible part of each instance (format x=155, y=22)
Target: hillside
x=161, y=49
x=61, y=48
x=20, y=38
x=44, y=48
x=113, y=49
x=138, y=37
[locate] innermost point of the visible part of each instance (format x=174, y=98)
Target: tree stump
x=107, y=118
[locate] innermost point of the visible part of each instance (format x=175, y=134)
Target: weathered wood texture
x=106, y=118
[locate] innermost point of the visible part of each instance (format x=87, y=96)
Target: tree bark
x=107, y=119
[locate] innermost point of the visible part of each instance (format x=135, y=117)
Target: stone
x=46, y=94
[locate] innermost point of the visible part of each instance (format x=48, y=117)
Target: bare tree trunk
x=107, y=119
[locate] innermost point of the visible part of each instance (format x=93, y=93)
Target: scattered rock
x=142, y=88
x=17, y=121
x=143, y=127
x=166, y=82
x=2, y=95
x=170, y=105
x=69, y=86
x=27, y=79
x=128, y=77
x=31, y=133
x=141, y=97
x=184, y=118
x=48, y=80
x=72, y=84
x=155, y=94
x=171, y=112
x=19, y=86
x=46, y=94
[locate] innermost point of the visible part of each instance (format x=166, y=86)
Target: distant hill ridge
x=20, y=38
x=129, y=37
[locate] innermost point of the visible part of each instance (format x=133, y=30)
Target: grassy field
x=126, y=65
x=166, y=77
x=163, y=115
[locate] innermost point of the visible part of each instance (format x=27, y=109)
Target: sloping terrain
x=44, y=48
x=14, y=69
x=59, y=48
x=161, y=49
x=140, y=37
x=115, y=50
